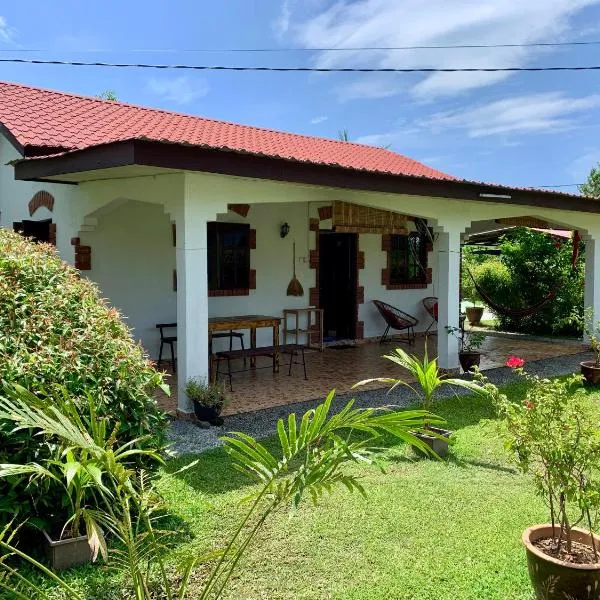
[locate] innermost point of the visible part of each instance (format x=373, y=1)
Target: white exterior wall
x=133, y=258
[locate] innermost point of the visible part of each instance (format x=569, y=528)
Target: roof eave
x=227, y=162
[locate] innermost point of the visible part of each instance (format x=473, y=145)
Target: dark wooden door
x=337, y=283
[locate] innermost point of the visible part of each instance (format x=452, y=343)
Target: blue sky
x=524, y=129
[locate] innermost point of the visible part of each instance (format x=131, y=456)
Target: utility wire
x=329, y=49
x=298, y=69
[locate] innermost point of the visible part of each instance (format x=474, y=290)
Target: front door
x=337, y=284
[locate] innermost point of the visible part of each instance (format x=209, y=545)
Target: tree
x=591, y=187
x=108, y=95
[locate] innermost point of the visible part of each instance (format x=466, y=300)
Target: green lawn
x=428, y=530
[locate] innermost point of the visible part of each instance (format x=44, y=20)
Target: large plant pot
x=468, y=360
x=67, y=553
x=554, y=579
x=207, y=413
x=590, y=371
x=474, y=314
x=439, y=446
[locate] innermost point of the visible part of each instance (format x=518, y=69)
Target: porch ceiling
x=114, y=160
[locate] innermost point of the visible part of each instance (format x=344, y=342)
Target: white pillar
x=192, y=214
x=592, y=266
x=448, y=265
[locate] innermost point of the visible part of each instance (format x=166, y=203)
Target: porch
x=342, y=368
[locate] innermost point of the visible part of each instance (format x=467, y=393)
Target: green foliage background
x=57, y=336
x=530, y=266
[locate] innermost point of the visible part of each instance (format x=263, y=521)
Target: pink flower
x=515, y=362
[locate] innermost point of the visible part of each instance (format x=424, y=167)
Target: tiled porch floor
x=341, y=369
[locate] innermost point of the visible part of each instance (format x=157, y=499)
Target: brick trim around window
x=252, y=275
x=386, y=245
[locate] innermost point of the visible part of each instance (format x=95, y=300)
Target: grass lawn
x=428, y=530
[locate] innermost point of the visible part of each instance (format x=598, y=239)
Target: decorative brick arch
x=41, y=198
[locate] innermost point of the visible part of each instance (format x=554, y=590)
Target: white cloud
x=282, y=22
x=580, y=168
x=369, y=23
x=7, y=33
x=181, y=90
x=551, y=112
x=318, y=120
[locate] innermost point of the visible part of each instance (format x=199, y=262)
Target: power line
x=327, y=49
x=560, y=185
x=299, y=69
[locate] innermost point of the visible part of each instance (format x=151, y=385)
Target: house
x=180, y=218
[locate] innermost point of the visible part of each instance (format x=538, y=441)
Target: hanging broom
x=295, y=287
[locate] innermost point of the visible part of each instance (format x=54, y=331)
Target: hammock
x=514, y=312
x=531, y=310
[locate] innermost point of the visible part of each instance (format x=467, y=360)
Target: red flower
x=514, y=362
x=529, y=405
x=557, y=245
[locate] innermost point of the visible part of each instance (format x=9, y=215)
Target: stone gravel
x=187, y=437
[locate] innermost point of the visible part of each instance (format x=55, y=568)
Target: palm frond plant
x=429, y=380
x=314, y=451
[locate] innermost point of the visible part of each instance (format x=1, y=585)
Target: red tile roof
x=37, y=117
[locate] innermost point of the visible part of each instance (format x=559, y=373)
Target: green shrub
x=530, y=266
x=57, y=336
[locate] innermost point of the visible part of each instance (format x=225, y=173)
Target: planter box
x=554, y=579
x=439, y=446
x=64, y=554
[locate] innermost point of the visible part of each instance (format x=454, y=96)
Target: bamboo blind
x=354, y=218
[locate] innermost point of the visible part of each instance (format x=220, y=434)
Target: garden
x=435, y=500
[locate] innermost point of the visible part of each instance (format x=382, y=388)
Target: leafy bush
x=209, y=395
x=553, y=436
x=57, y=337
x=531, y=265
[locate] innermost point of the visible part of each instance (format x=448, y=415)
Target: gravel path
x=187, y=437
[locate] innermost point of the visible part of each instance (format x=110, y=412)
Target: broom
x=295, y=287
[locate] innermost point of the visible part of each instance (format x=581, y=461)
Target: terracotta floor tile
x=341, y=369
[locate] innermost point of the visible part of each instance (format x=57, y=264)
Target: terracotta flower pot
x=474, y=314
x=439, y=446
x=69, y=552
x=555, y=579
x=468, y=360
x=590, y=371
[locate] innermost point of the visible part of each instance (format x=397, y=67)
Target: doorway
x=338, y=278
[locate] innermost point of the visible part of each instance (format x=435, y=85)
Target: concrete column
x=192, y=214
x=448, y=244
x=592, y=274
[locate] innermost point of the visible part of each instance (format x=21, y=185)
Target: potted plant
x=554, y=436
x=429, y=379
x=208, y=398
x=469, y=294
x=470, y=342
x=590, y=369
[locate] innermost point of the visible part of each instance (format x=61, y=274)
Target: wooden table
x=251, y=322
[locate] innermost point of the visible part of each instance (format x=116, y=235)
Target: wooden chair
x=431, y=306
x=167, y=340
x=396, y=319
